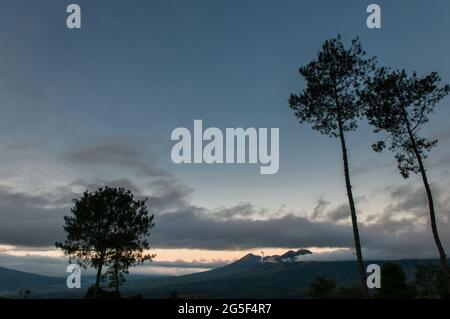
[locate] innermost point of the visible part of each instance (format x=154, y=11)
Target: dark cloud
x=164, y=192
x=167, y=194
x=409, y=206
x=340, y=213
x=337, y=214
x=162, y=189
x=63, y=195
x=193, y=228
x=34, y=221
x=28, y=220
x=131, y=153
x=319, y=210
x=196, y=230
x=240, y=211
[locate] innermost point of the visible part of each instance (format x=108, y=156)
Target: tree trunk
x=348, y=185
x=98, y=277
x=116, y=274
x=361, y=266
x=437, y=240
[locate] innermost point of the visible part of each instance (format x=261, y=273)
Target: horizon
x=181, y=267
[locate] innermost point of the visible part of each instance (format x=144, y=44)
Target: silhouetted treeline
x=428, y=282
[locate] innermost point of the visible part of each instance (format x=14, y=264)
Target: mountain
x=241, y=280
x=249, y=277
x=247, y=260
x=289, y=256
x=12, y=282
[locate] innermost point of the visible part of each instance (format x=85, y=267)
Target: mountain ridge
x=13, y=281
x=247, y=277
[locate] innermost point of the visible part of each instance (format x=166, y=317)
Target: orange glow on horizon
x=188, y=255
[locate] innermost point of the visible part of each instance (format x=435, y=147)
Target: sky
x=96, y=106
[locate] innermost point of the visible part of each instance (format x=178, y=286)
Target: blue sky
x=139, y=69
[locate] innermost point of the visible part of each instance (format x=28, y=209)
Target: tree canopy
x=400, y=104
x=333, y=80
x=108, y=227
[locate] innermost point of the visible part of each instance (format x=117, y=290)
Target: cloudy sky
x=92, y=107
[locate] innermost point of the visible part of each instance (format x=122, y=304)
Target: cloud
x=127, y=152
x=196, y=230
x=63, y=195
x=409, y=206
x=36, y=220
x=163, y=193
x=191, y=264
x=319, y=210
x=339, y=213
x=31, y=221
x=28, y=220
x=349, y=255
x=56, y=266
x=166, y=193
x=193, y=228
x=337, y=255
x=43, y=265
x=401, y=228
x=240, y=211
x=370, y=165
x=159, y=186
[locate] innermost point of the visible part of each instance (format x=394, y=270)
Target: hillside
x=251, y=278
x=248, y=277
x=13, y=281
